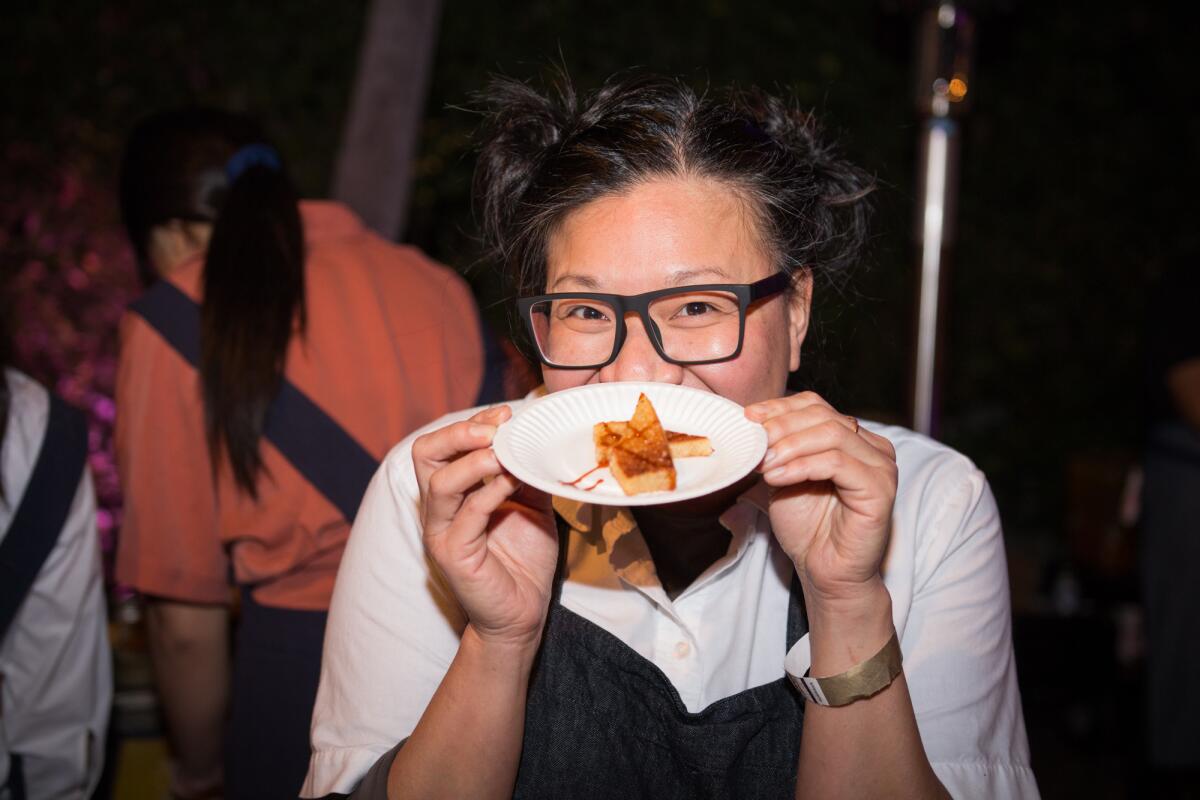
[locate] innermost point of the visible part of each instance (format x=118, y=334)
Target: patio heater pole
x=944, y=46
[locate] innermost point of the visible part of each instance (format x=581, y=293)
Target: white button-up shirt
x=394, y=625
x=55, y=666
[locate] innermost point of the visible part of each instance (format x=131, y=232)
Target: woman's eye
x=586, y=312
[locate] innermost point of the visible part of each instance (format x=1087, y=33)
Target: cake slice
x=681, y=445
x=604, y=436
x=687, y=445
x=641, y=459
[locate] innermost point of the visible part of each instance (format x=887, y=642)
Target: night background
x=1079, y=155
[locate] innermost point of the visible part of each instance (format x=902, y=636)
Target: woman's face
x=674, y=232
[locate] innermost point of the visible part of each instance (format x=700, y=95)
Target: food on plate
x=641, y=459
x=681, y=445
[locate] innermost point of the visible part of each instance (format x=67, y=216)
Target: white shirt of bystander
x=55, y=664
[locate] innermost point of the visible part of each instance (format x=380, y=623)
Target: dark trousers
x=277, y=664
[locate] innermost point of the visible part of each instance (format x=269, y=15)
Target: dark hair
x=174, y=168
x=546, y=154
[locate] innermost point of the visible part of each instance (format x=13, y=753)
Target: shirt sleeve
x=55, y=666
x=958, y=654
x=947, y=573
x=393, y=629
x=169, y=544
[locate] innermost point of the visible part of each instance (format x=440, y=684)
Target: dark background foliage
x=1078, y=157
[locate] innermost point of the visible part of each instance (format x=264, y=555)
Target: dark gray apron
x=603, y=722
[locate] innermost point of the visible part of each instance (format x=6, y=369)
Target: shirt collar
x=612, y=530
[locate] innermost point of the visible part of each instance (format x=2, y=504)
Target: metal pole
x=945, y=36
x=937, y=152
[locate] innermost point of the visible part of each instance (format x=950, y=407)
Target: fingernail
x=769, y=457
x=775, y=474
x=480, y=430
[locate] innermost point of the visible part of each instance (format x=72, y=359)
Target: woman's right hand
x=493, y=538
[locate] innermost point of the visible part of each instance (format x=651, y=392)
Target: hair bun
x=836, y=189
x=521, y=127
x=546, y=154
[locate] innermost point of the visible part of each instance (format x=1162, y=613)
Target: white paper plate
x=549, y=443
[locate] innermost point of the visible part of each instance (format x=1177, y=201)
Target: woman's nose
x=638, y=360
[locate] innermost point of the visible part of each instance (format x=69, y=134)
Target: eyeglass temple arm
x=771, y=285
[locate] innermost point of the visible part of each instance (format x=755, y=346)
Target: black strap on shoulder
x=16, y=777
x=43, y=509
x=495, y=366
x=316, y=445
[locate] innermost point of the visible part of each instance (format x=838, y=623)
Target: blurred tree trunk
x=374, y=167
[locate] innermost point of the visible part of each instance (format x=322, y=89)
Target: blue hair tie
x=252, y=155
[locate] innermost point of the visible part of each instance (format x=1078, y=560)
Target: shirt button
x=682, y=649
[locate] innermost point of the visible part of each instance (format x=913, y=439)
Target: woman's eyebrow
x=685, y=276
x=580, y=281
x=680, y=277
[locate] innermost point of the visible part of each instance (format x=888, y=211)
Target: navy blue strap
x=318, y=447
x=495, y=365
x=16, y=777
x=40, y=517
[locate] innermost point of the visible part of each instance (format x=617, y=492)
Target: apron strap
x=312, y=441
x=560, y=569
x=39, y=519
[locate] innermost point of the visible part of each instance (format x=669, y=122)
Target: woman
x=284, y=350
x=656, y=663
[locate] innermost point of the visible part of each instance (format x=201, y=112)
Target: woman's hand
x=497, y=554
x=832, y=491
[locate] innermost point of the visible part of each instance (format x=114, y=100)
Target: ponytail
x=253, y=300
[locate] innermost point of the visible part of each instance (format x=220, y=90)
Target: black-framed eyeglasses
x=703, y=324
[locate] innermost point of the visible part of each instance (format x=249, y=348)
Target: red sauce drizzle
x=581, y=477
x=593, y=486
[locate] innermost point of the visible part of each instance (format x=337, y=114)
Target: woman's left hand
x=833, y=485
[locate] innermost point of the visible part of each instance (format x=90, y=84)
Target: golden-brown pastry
x=641, y=459
x=682, y=445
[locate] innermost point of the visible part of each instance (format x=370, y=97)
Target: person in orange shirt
x=280, y=351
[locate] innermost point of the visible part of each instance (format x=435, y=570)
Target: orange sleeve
x=169, y=543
